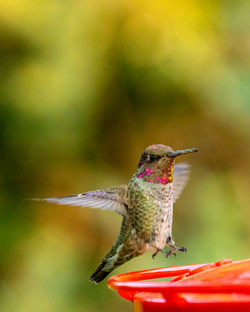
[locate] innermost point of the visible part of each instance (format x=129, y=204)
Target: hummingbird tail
x=99, y=273
x=123, y=250
x=110, y=264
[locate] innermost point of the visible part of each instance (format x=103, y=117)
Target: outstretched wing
x=113, y=199
x=180, y=177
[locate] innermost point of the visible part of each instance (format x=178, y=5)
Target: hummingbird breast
x=150, y=209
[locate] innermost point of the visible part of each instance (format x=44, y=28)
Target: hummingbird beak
x=182, y=152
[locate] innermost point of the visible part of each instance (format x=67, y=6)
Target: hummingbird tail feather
x=99, y=273
x=122, y=251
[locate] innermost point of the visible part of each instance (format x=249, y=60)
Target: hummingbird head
x=156, y=162
x=159, y=153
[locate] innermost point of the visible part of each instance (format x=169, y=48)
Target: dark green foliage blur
x=85, y=86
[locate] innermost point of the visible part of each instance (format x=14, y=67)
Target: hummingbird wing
x=113, y=198
x=180, y=177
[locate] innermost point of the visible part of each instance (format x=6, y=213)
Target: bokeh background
x=85, y=86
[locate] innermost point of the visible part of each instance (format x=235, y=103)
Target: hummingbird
x=146, y=206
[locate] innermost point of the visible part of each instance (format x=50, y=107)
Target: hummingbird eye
x=153, y=158
x=148, y=158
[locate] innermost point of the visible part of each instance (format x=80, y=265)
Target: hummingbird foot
x=156, y=253
x=182, y=249
x=174, y=249
x=170, y=252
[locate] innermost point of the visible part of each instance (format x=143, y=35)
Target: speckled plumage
x=146, y=204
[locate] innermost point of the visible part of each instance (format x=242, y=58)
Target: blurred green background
x=85, y=86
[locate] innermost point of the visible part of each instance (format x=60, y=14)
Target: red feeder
x=220, y=286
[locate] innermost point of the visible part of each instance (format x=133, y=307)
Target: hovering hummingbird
x=145, y=203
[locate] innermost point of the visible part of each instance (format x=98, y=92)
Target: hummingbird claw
x=182, y=249
x=168, y=253
x=174, y=250
x=156, y=253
